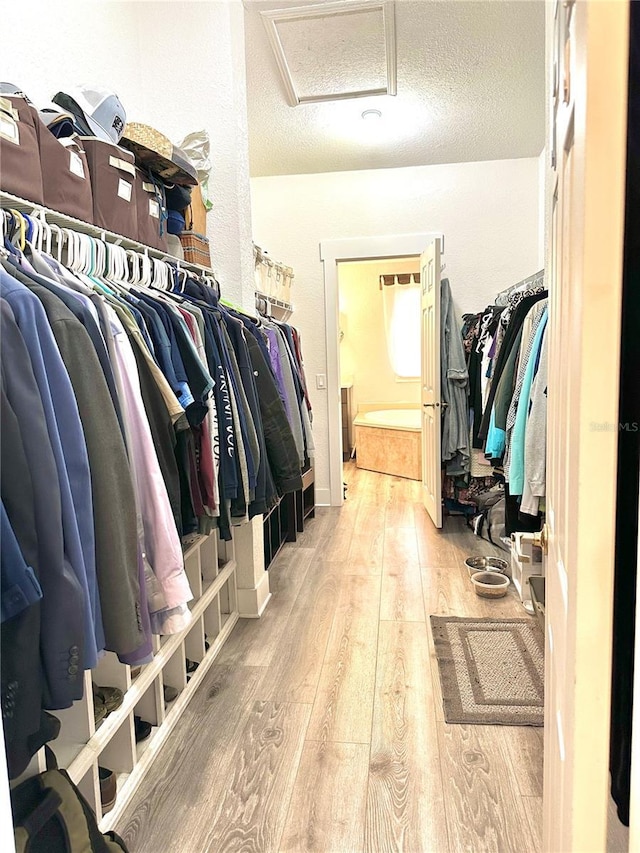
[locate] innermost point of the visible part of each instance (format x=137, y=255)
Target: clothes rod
x=52, y=217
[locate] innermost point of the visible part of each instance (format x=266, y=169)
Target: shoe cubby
x=110, y=672
x=226, y=551
x=119, y=755
x=228, y=600
x=209, y=563
x=193, y=570
x=212, y=620
x=77, y=727
x=150, y=706
x=82, y=747
x=194, y=643
x=174, y=673
x=89, y=786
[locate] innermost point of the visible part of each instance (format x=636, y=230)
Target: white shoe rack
x=81, y=748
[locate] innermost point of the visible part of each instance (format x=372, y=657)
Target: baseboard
x=252, y=602
x=323, y=497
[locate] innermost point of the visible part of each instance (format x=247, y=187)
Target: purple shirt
x=276, y=365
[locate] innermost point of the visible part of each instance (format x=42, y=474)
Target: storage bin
x=196, y=213
x=525, y=562
x=276, y=280
x=151, y=212
x=267, y=276
x=20, y=169
x=113, y=177
x=537, y=584
x=196, y=248
x=66, y=180
x=257, y=268
x=286, y=281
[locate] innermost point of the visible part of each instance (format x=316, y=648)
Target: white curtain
x=401, y=304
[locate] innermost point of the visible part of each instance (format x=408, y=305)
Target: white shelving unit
x=273, y=307
x=210, y=564
x=81, y=747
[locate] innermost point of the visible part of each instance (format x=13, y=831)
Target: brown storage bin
x=150, y=209
x=196, y=214
x=196, y=248
x=65, y=176
x=20, y=170
x=113, y=177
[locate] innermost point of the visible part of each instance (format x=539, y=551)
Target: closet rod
x=532, y=281
x=52, y=217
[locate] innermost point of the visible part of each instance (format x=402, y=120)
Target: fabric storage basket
x=257, y=257
x=20, y=169
x=65, y=176
x=113, y=176
x=267, y=276
x=196, y=248
x=284, y=284
x=151, y=210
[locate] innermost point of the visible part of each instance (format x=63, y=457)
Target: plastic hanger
x=20, y=228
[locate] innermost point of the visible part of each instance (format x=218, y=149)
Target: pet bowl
x=486, y=564
x=490, y=584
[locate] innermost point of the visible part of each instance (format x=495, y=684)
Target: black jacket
x=281, y=447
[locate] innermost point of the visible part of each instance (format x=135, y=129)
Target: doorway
x=348, y=254
x=379, y=350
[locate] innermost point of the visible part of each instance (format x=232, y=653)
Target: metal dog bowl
x=486, y=564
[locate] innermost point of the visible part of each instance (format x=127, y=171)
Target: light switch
x=321, y=381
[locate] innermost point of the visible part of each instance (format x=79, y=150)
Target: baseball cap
x=98, y=112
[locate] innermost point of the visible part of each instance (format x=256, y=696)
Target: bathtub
x=389, y=441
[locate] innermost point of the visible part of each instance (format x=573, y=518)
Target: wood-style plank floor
x=320, y=727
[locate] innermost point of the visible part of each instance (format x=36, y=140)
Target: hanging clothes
x=508, y=344
x=454, y=389
x=132, y=417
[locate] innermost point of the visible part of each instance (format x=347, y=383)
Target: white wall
x=177, y=66
x=487, y=211
x=542, y=208
x=364, y=355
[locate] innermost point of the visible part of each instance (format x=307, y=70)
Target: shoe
x=99, y=711
x=170, y=693
x=108, y=788
x=143, y=729
x=111, y=697
x=192, y=665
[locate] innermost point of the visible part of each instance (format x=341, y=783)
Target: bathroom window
x=402, y=326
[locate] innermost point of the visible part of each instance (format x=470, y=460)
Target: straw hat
x=156, y=152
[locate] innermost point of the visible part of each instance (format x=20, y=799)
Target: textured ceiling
x=470, y=87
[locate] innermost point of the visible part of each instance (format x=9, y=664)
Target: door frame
x=333, y=252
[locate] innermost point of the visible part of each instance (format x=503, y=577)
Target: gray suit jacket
x=113, y=497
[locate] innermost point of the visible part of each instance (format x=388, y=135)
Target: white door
x=430, y=383
x=585, y=282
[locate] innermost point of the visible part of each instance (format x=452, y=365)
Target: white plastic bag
x=196, y=146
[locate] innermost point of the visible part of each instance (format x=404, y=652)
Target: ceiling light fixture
x=371, y=115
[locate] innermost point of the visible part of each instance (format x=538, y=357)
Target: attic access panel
x=334, y=51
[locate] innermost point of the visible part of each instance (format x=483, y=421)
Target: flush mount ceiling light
x=371, y=115
x=334, y=50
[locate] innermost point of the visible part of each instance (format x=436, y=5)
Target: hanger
x=134, y=271
x=4, y=252
x=19, y=228
x=46, y=234
x=56, y=231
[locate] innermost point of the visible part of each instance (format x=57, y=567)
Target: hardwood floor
x=321, y=728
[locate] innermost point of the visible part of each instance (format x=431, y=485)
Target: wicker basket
x=196, y=248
